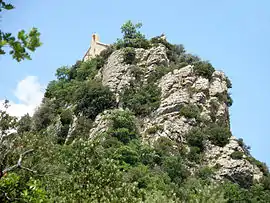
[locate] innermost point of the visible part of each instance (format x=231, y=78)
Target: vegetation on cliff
x=51, y=157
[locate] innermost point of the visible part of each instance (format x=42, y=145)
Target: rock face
x=180, y=87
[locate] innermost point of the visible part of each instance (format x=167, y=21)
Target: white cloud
x=30, y=93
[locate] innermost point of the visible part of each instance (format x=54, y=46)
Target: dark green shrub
x=153, y=129
x=44, y=115
x=204, y=69
x=175, y=168
x=205, y=173
x=219, y=135
x=164, y=146
x=262, y=166
x=226, y=98
x=87, y=70
x=190, y=111
x=214, y=105
x=228, y=82
x=93, y=98
x=195, y=138
x=142, y=101
x=127, y=155
x=189, y=59
x=129, y=55
x=105, y=54
x=123, y=134
x=24, y=124
x=122, y=126
x=158, y=73
x=229, y=100
x=245, y=147
x=62, y=134
x=66, y=117
x=195, y=154
x=237, y=155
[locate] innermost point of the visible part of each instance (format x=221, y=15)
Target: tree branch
x=19, y=163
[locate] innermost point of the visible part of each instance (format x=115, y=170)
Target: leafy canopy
x=19, y=45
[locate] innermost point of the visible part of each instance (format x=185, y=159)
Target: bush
x=175, y=168
x=153, y=129
x=24, y=124
x=158, y=73
x=219, y=135
x=44, y=115
x=66, y=117
x=195, y=154
x=204, y=69
x=88, y=69
x=190, y=111
x=105, y=54
x=244, y=146
x=262, y=166
x=93, y=98
x=142, y=101
x=228, y=82
x=237, y=155
x=205, y=173
x=122, y=126
x=195, y=138
x=129, y=55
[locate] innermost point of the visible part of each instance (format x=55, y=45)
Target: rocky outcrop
x=180, y=87
x=237, y=170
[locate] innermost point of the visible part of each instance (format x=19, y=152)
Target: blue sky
x=232, y=35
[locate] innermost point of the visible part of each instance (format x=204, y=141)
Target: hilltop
x=136, y=121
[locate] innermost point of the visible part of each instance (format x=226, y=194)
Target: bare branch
x=19, y=164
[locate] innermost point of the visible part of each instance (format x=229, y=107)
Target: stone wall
x=95, y=49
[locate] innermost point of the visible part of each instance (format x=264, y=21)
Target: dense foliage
x=21, y=45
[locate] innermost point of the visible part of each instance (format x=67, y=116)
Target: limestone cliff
x=180, y=87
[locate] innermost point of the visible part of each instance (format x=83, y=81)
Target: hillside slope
x=142, y=122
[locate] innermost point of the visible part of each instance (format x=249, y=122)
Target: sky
x=232, y=35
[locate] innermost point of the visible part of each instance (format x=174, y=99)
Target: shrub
x=195, y=138
x=93, y=98
x=237, y=155
x=204, y=69
x=175, y=168
x=195, y=154
x=219, y=135
x=226, y=98
x=142, y=101
x=153, y=129
x=214, y=106
x=127, y=155
x=105, y=54
x=24, y=124
x=262, y=166
x=66, y=117
x=228, y=82
x=123, y=126
x=164, y=146
x=205, y=173
x=190, y=111
x=158, y=73
x=129, y=55
x=87, y=69
x=244, y=146
x=44, y=115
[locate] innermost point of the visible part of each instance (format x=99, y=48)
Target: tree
x=22, y=44
x=7, y=126
x=132, y=37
